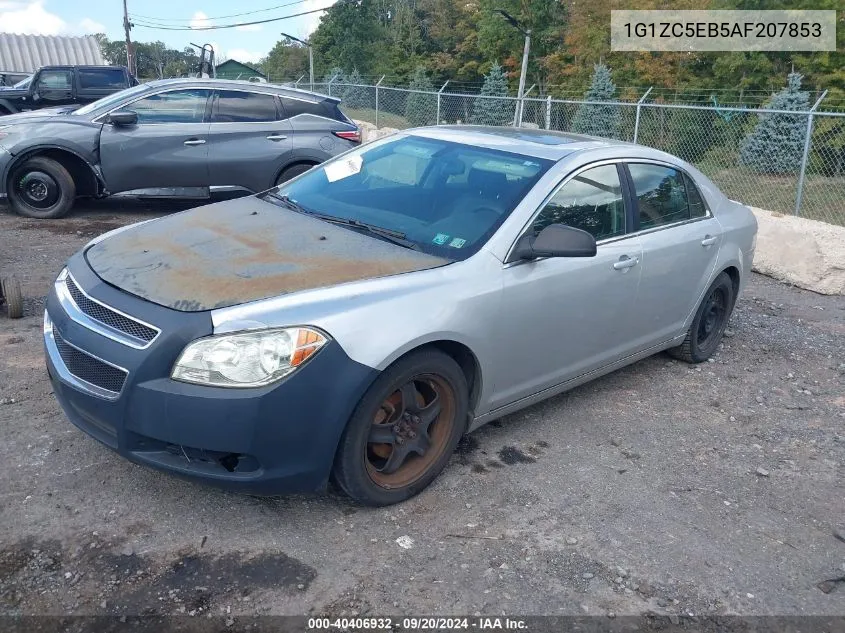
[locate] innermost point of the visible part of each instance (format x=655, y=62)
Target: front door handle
x=276, y=137
x=195, y=141
x=709, y=240
x=626, y=262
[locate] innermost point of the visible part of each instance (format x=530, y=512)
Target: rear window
x=295, y=107
x=101, y=78
x=234, y=106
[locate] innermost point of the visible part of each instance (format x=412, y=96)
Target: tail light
x=350, y=135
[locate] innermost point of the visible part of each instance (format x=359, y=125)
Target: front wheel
x=404, y=430
x=708, y=325
x=41, y=188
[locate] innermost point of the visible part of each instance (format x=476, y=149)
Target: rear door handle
x=276, y=137
x=626, y=262
x=709, y=240
x=195, y=141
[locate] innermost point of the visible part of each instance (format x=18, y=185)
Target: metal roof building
x=27, y=53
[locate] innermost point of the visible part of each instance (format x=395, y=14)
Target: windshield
x=23, y=83
x=106, y=103
x=445, y=198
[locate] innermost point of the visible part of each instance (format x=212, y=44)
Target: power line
x=215, y=27
x=149, y=18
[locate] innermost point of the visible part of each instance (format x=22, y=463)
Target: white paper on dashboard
x=343, y=168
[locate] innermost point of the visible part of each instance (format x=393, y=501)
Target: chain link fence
x=790, y=162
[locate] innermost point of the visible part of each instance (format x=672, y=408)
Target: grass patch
x=385, y=119
x=823, y=199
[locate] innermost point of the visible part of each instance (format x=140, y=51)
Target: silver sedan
x=352, y=324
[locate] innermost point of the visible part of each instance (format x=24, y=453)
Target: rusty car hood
x=242, y=250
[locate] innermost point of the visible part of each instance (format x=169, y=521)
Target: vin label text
x=711, y=31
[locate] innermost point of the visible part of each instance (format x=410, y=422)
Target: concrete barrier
x=806, y=253
x=370, y=132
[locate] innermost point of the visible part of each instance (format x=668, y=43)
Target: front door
x=53, y=88
x=680, y=240
x=247, y=141
x=167, y=148
x=563, y=317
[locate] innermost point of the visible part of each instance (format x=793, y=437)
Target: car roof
x=240, y=83
x=84, y=66
x=548, y=144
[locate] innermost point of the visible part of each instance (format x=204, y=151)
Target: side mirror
x=556, y=240
x=123, y=117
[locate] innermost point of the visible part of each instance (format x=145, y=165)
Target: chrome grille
x=107, y=316
x=88, y=368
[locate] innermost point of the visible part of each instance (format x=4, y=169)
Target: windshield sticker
x=440, y=239
x=341, y=169
x=457, y=243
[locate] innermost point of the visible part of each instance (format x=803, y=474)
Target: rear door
x=167, y=148
x=248, y=140
x=95, y=83
x=680, y=240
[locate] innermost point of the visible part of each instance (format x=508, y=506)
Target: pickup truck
x=56, y=86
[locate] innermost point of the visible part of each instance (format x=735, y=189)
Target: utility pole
x=517, y=118
x=130, y=54
x=310, y=56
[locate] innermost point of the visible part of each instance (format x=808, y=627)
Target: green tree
x=351, y=35
x=287, y=60
x=355, y=94
x=491, y=108
x=599, y=119
x=421, y=107
x=776, y=144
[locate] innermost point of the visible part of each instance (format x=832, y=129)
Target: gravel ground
x=664, y=488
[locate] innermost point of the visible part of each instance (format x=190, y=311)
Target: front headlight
x=247, y=359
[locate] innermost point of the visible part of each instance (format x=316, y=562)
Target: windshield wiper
x=391, y=235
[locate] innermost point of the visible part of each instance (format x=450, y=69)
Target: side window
x=96, y=78
x=54, y=80
x=660, y=193
x=234, y=106
x=591, y=201
x=697, y=207
x=293, y=107
x=178, y=106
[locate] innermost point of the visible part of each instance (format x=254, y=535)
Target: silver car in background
x=168, y=134
x=356, y=321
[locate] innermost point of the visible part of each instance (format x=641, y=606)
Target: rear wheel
x=404, y=430
x=41, y=188
x=708, y=325
x=293, y=171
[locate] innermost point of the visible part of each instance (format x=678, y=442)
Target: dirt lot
x=714, y=489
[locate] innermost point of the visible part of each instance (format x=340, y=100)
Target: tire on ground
x=352, y=471
x=65, y=189
x=293, y=171
x=710, y=320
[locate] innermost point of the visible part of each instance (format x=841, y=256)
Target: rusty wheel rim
x=410, y=431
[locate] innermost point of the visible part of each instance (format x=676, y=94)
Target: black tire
x=708, y=326
x=13, y=297
x=426, y=434
x=41, y=188
x=293, y=171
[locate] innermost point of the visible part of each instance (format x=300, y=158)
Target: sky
x=247, y=43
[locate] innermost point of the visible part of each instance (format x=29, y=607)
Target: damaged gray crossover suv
x=352, y=324
x=167, y=135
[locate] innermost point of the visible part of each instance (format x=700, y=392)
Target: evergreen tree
x=356, y=95
x=600, y=119
x=776, y=144
x=336, y=73
x=494, y=111
x=421, y=107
